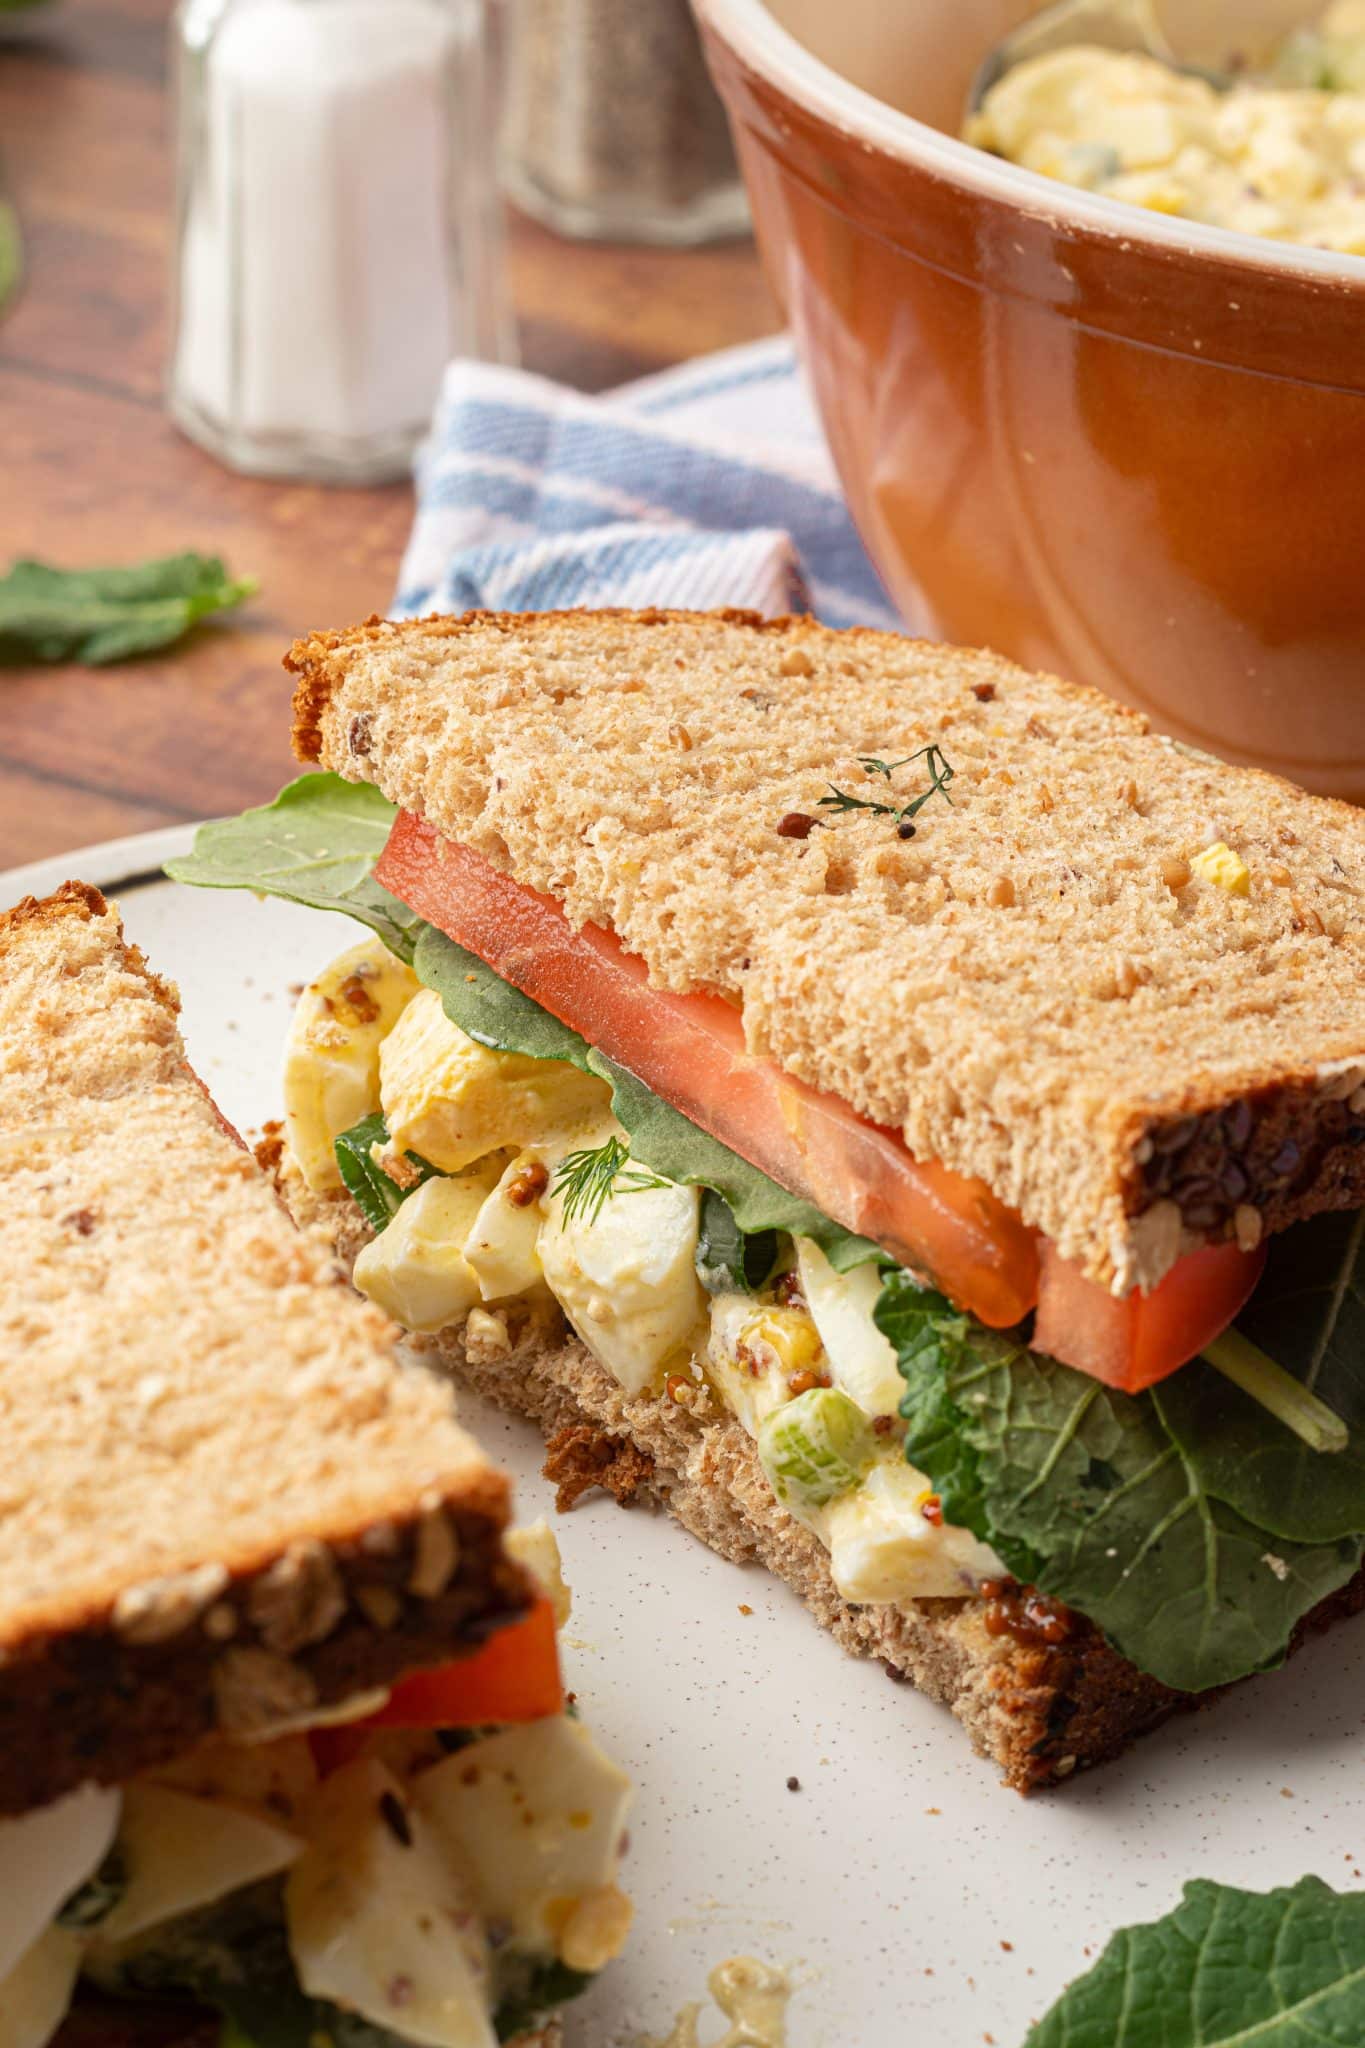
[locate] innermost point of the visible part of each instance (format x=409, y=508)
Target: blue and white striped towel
x=707, y=485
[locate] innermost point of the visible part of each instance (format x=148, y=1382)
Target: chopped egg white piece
x=502, y=1244
x=536, y=1546
x=416, y=1270
x=452, y=1100
x=750, y=1377
x=331, y=1056
x=861, y=1360
x=627, y=1278
x=34, y=1997
x=44, y=1857
x=381, y=1917
x=881, y=1547
x=180, y=1852
x=539, y=1812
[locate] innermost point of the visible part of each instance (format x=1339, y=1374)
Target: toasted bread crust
x=1029, y=991
x=216, y=1537
x=1039, y=1713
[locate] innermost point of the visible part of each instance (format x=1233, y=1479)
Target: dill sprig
x=940, y=772
x=588, y=1179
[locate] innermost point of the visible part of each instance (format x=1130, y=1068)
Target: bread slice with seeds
x=1058, y=984
x=224, y=1503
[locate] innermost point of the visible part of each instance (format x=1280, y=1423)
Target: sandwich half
x=276, y=1682
x=893, y=1109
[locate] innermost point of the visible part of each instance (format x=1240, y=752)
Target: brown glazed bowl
x=1124, y=447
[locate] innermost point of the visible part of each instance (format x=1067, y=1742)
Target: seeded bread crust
x=1038, y=1713
x=223, y=1499
x=1136, y=1067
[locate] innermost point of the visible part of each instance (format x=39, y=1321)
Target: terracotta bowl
x=1124, y=447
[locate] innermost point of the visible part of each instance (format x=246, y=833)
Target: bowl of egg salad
x=1089, y=350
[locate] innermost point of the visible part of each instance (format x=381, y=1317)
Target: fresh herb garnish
x=940, y=772
x=102, y=615
x=1125, y=1506
x=376, y=1194
x=1226, y=1968
x=588, y=1179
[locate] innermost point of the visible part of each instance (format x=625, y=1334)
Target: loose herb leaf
x=1308, y=1313
x=103, y=615
x=940, y=773
x=376, y=1194
x=316, y=844
x=1226, y=1969
x=588, y=1179
x=661, y=1138
x=729, y=1260
x=1085, y=1493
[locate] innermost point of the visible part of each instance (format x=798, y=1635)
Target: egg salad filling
x=348, y=1885
x=498, y=1182
x=1279, y=153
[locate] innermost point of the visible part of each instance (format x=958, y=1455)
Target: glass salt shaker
x=613, y=129
x=338, y=230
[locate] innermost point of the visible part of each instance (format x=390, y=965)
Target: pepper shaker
x=613, y=128
x=338, y=234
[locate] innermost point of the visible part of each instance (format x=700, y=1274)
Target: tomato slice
x=690, y=1050
x=514, y=1676
x=1133, y=1343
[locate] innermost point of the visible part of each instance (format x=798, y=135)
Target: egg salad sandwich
x=897, y=1111
x=282, y=1734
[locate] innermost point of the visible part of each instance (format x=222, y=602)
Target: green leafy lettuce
x=1095, y=1498
x=727, y=1259
x=1225, y=1969
x=103, y=615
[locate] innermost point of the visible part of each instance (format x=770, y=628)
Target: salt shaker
x=613, y=128
x=338, y=234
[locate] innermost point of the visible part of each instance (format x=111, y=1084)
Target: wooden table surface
x=91, y=471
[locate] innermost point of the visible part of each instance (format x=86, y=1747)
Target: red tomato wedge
x=1133, y=1343
x=690, y=1050
x=513, y=1677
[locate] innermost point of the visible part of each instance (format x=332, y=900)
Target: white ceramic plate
x=911, y=1896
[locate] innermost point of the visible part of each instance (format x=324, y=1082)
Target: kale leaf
x=102, y=615
x=316, y=844
x=1308, y=1314
x=1087, y=1494
x=1282, y=1969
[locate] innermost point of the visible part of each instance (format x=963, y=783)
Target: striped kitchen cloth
x=706, y=485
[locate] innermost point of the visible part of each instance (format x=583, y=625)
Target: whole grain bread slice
x=1039, y=988
x=223, y=1500
x=1039, y=1712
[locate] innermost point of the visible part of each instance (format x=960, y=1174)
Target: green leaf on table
x=1225, y=1969
x=103, y=615
x=1088, y=1495
x=316, y=844
x=1308, y=1314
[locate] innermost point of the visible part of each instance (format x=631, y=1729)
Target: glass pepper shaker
x=613, y=129
x=338, y=231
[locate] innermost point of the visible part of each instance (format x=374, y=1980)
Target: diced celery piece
x=815, y=1447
